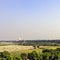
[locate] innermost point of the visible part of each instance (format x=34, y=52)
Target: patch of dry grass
x=24, y=49
x=11, y=48
x=49, y=47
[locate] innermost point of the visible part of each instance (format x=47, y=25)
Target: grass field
x=49, y=47
x=24, y=49
x=12, y=48
x=16, y=50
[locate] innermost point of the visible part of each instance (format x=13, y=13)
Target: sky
x=29, y=19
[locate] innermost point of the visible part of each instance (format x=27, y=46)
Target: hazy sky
x=30, y=19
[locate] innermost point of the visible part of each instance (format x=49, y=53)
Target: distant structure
x=20, y=38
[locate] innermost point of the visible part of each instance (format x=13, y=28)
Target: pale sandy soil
x=11, y=48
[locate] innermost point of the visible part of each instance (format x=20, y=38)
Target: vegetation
x=30, y=50
x=46, y=54
x=32, y=42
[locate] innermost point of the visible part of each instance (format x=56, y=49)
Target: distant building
x=19, y=38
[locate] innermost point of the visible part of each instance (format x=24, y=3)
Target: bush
x=24, y=56
x=5, y=55
x=33, y=55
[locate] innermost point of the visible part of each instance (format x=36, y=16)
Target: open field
x=49, y=47
x=11, y=48
x=14, y=48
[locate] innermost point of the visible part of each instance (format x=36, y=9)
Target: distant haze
x=29, y=19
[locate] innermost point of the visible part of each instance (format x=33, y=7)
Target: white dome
x=19, y=38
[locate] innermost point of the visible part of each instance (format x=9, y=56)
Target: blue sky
x=29, y=19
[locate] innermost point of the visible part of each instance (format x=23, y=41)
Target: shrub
x=33, y=55
x=24, y=56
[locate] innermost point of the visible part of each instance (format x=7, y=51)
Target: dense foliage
x=47, y=54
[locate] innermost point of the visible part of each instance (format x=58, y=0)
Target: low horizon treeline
x=47, y=54
x=32, y=42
